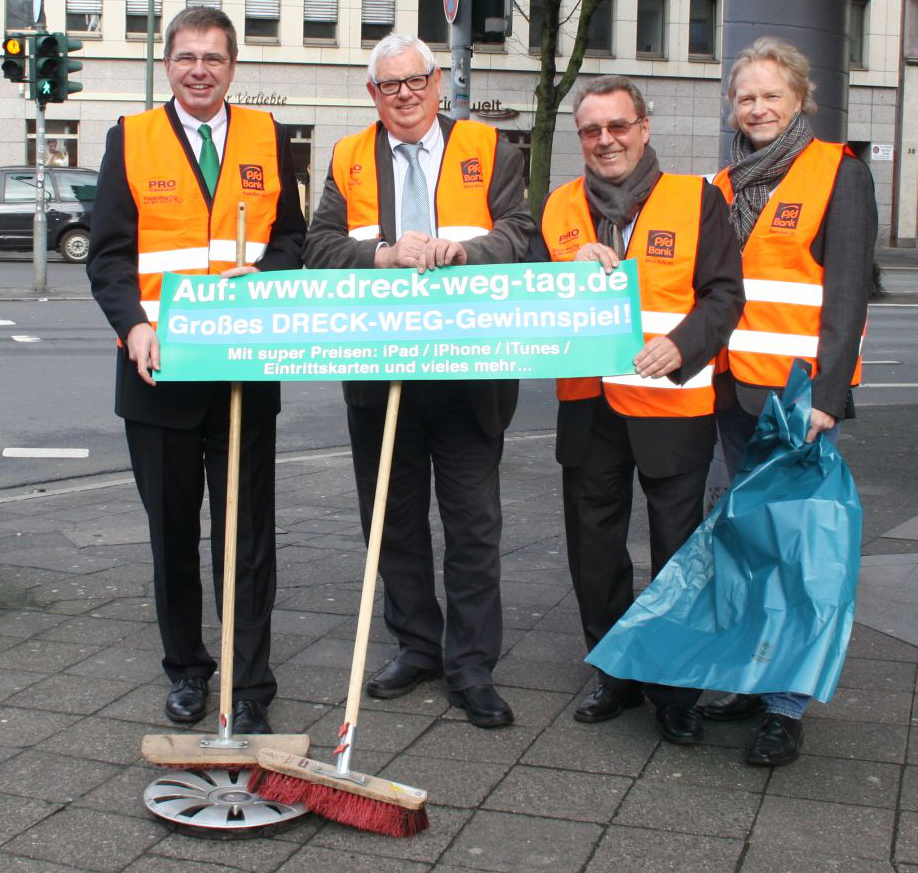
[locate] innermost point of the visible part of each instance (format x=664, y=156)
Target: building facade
x=305, y=61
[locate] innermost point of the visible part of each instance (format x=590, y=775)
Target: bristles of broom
x=334, y=804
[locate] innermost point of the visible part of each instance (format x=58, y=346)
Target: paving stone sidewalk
x=80, y=684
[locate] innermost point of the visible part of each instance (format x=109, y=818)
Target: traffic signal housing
x=52, y=67
x=14, y=58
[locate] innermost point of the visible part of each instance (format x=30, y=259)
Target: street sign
x=450, y=9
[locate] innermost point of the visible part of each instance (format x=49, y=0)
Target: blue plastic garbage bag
x=761, y=597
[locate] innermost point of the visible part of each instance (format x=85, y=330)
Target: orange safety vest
x=664, y=242
x=783, y=282
x=176, y=232
x=462, y=211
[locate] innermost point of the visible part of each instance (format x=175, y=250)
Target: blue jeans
x=736, y=427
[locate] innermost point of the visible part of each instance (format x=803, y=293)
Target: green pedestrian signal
x=53, y=67
x=14, y=58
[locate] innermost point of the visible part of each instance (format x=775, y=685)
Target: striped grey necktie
x=415, y=199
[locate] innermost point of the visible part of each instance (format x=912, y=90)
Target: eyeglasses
x=391, y=87
x=592, y=132
x=186, y=61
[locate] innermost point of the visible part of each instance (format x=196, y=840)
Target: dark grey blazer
x=328, y=246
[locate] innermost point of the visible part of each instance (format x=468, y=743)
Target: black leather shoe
x=604, y=703
x=778, y=741
x=250, y=717
x=733, y=707
x=680, y=723
x=398, y=678
x=187, y=700
x=483, y=706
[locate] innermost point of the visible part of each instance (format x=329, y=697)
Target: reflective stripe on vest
x=664, y=242
x=466, y=170
x=176, y=232
x=783, y=282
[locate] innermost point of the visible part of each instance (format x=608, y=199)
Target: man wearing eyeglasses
x=168, y=189
x=660, y=419
x=420, y=190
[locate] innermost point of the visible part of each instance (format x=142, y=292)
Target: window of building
x=213, y=4
x=857, y=33
x=320, y=20
x=61, y=143
x=136, y=18
x=433, y=27
x=19, y=14
x=522, y=139
x=536, y=17
x=600, y=32
x=702, y=25
x=84, y=17
x=301, y=146
x=651, y=21
x=491, y=21
x=377, y=18
x=262, y=19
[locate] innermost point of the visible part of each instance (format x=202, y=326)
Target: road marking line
x=45, y=453
x=882, y=362
x=4, y=322
x=889, y=385
x=22, y=338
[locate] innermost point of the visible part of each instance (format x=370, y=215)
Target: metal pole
x=151, y=22
x=460, y=44
x=40, y=224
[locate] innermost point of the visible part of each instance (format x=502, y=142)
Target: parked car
x=69, y=194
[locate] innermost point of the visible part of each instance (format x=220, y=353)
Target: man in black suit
x=419, y=190
x=805, y=215
x=163, y=203
x=659, y=420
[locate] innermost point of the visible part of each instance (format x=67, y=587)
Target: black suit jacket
x=329, y=246
x=669, y=446
x=112, y=269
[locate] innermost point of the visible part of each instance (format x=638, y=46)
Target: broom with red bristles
x=336, y=792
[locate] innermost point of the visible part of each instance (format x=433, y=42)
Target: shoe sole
x=682, y=741
x=184, y=719
x=596, y=719
x=497, y=721
x=401, y=691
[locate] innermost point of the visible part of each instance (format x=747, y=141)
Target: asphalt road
x=56, y=384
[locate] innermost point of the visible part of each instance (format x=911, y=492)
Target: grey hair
x=792, y=63
x=201, y=19
x=608, y=85
x=396, y=44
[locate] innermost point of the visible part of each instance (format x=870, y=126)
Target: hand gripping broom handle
x=342, y=766
x=232, y=515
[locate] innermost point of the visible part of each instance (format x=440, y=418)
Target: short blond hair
x=792, y=63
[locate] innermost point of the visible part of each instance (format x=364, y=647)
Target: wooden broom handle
x=373, y=546
x=232, y=516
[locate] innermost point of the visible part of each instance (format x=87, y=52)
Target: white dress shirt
x=191, y=125
x=430, y=158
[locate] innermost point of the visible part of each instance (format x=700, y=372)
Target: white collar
x=428, y=141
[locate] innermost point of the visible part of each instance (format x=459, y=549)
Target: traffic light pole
x=40, y=224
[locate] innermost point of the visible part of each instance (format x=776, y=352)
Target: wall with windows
x=305, y=61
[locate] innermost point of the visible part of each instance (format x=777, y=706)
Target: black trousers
x=170, y=466
x=437, y=425
x=597, y=513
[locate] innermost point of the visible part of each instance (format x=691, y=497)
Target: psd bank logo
x=787, y=216
x=661, y=244
x=253, y=177
x=471, y=172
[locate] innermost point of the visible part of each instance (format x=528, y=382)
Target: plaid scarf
x=755, y=173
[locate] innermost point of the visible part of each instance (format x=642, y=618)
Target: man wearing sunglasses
x=169, y=185
x=659, y=419
x=419, y=190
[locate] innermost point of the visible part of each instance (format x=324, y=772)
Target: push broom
x=336, y=792
x=224, y=751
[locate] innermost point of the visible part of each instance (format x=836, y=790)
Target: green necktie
x=208, y=161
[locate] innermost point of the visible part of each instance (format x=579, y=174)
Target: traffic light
x=14, y=58
x=52, y=68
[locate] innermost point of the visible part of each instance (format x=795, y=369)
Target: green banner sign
x=530, y=321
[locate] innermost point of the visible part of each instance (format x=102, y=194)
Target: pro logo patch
x=787, y=216
x=661, y=244
x=253, y=177
x=161, y=185
x=471, y=172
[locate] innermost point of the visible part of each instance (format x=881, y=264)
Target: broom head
x=185, y=752
x=377, y=805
